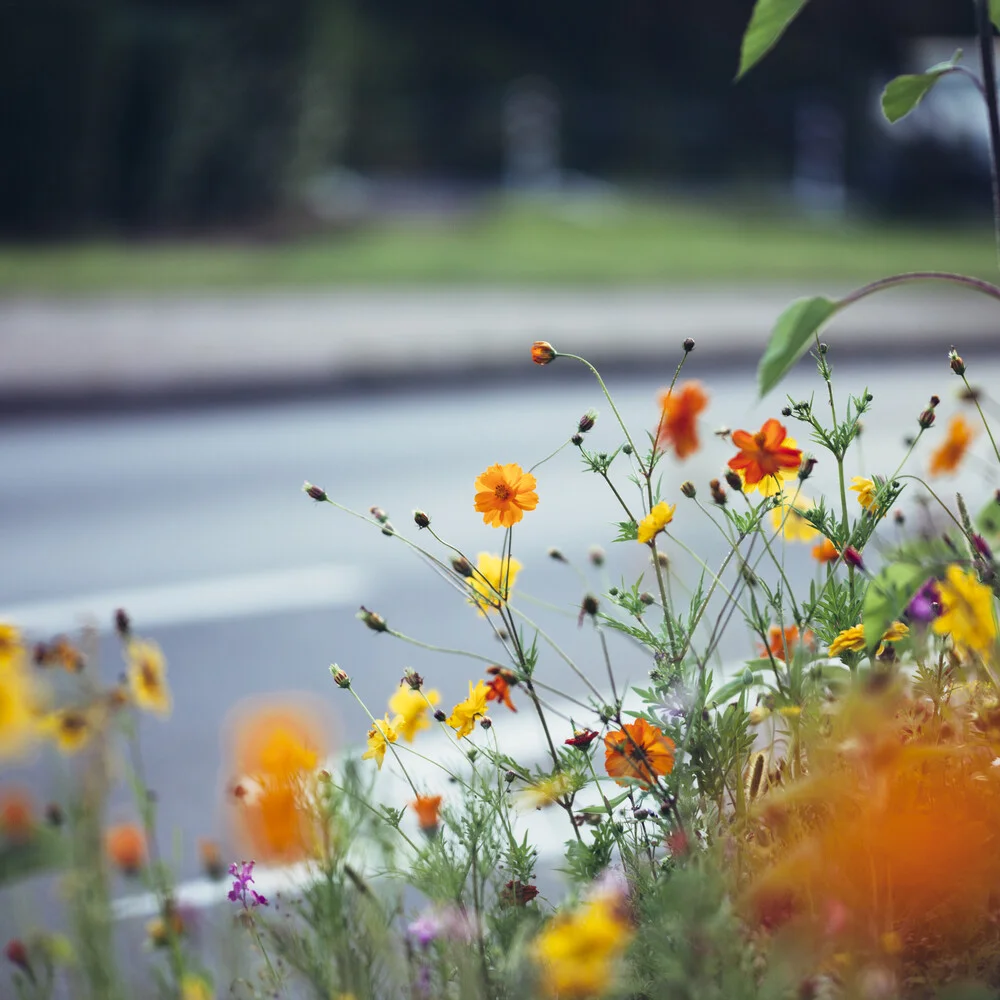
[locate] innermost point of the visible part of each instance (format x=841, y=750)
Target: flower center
x=502, y=491
x=758, y=439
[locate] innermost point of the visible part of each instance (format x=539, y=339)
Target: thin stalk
x=982, y=416
x=984, y=29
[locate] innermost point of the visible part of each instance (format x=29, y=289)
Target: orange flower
x=504, y=493
x=542, y=352
x=946, y=457
x=17, y=815
x=780, y=642
x=764, y=453
x=426, y=807
x=211, y=858
x=825, y=552
x=499, y=691
x=638, y=750
x=126, y=847
x=677, y=426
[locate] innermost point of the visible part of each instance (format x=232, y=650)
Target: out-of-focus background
x=244, y=244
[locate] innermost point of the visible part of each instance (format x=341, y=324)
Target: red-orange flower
x=427, y=807
x=764, y=453
x=17, y=815
x=504, y=493
x=542, y=352
x=781, y=641
x=825, y=551
x=126, y=847
x=638, y=750
x=499, y=691
x=947, y=456
x=677, y=427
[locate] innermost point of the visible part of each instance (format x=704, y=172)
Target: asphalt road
x=196, y=522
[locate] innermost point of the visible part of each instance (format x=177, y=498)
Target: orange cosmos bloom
x=638, y=750
x=825, y=552
x=781, y=641
x=764, y=454
x=126, y=847
x=17, y=815
x=504, y=493
x=499, y=691
x=677, y=427
x=946, y=458
x=426, y=807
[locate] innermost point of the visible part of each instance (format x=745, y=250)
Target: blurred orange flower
x=426, y=807
x=764, y=454
x=679, y=410
x=504, y=493
x=17, y=815
x=126, y=847
x=499, y=691
x=638, y=750
x=825, y=551
x=780, y=641
x=949, y=454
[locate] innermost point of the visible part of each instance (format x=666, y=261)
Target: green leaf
x=790, y=338
x=988, y=519
x=46, y=851
x=746, y=680
x=904, y=93
x=767, y=24
x=995, y=12
x=887, y=596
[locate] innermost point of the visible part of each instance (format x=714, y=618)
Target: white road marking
x=226, y=597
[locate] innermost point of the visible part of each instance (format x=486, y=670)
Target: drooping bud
x=420, y=519
x=340, y=677
x=587, y=421
x=956, y=363
x=806, y=468
x=317, y=493
x=588, y=607
x=373, y=620
x=734, y=481
x=542, y=352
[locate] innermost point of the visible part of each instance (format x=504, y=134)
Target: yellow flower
x=655, y=521
x=381, y=734
x=787, y=518
x=465, y=713
x=866, y=490
x=546, y=791
x=11, y=646
x=147, y=677
x=18, y=723
x=70, y=729
x=195, y=988
x=966, y=610
x=504, y=493
x=577, y=950
x=492, y=581
x=773, y=482
x=852, y=639
x=895, y=632
x=411, y=707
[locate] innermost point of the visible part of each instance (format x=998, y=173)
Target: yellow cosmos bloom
x=381, y=734
x=18, y=721
x=787, y=518
x=866, y=490
x=492, y=581
x=70, y=729
x=195, y=988
x=147, y=677
x=11, y=646
x=655, y=521
x=774, y=482
x=577, y=950
x=412, y=708
x=465, y=713
x=967, y=611
x=546, y=791
x=851, y=639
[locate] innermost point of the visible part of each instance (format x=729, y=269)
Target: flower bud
x=626, y=449
x=373, y=620
x=542, y=352
x=688, y=345
x=588, y=607
x=380, y=515
x=316, y=492
x=596, y=555
x=123, y=626
x=980, y=545
x=806, y=468
x=340, y=677
x=412, y=679
x=957, y=364
x=420, y=519
x=852, y=557
x=556, y=556
x=926, y=418
x=689, y=490
x=663, y=560
x=17, y=954
x=647, y=598
x=718, y=493
x=786, y=411
x=587, y=421
x=734, y=481
x=577, y=439
x=388, y=530
x=440, y=716
x=486, y=722
x=935, y=401
x=462, y=566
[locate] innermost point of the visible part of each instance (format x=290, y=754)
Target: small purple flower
x=241, y=891
x=926, y=603
x=982, y=547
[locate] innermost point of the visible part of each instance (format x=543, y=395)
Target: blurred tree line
x=173, y=115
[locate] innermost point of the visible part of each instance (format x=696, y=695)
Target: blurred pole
x=531, y=119
x=818, y=184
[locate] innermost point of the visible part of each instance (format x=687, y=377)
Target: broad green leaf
x=887, y=596
x=45, y=851
x=790, y=338
x=767, y=24
x=988, y=519
x=904, y=93
x=995, y=12
x=746, y=680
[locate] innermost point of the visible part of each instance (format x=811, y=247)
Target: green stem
x=982, y=416
x=908, y=277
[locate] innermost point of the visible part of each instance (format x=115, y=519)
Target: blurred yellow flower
x=787, y=518
x=850, y=640
x=18, y=722
x=967, y=610
x=69, y=728
x=465, y=713
x=655, y=521
x=11, y=646
x=492, y=581
x=147, y=677
x=546, y=791
x=381, y=734
x=195, y=988
x=577, y=950
x=412, y=709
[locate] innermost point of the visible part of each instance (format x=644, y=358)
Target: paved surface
x=156, y=348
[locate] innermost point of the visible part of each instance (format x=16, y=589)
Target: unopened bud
x=823, y=348
x=689, y=490
x=786, y=411
x=734, y=481
x=577, y=439
x=373, y=620
x=806, y=468
x=510, y=776
x=596, y=555
x=440, y=716
x=663, y=560
x=317, y=493
x=587, y=421
x=17, y=954
x=486, y=723
x=688, y=345
x=980, y=545
x=626, y=449
x=388, y=530
x=556, y=555
x=542, y=352
x=614, y=591
x=647, y=598
x=935, y=401
x=852, y=557
x=957, y=364
x=718, y=493
x=420, y=519
x=462, y=566
x=123, y=626
x=926, y=418
x=380, y=515
x=589, y=606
